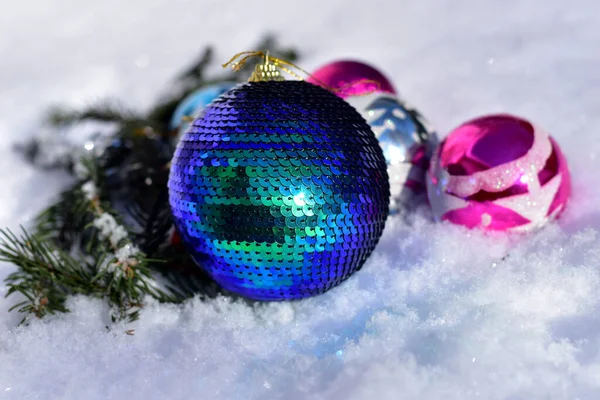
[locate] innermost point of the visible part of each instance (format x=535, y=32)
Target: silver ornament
x=407, y=141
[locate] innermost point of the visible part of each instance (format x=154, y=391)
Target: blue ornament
x=279, y=190
x=195, y=102
x=407, y=142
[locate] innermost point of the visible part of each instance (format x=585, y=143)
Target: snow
x=435, y=313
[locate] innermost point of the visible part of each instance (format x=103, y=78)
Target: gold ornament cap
x=266, y=71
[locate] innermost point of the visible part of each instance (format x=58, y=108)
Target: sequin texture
x=279, y=190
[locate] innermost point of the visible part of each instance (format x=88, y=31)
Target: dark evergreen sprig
x=94, y=255
x=104, y=111
x=45, y=276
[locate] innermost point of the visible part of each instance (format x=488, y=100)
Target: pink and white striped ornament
x=498, y=173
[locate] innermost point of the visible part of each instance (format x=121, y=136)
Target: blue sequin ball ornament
x=279, y=190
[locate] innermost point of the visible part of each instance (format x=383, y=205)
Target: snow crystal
x=437, y=312
x=89, y=190
x=125, y=256
x=126, y=252
x=110, y=228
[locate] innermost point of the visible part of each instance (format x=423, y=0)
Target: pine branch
x=124, y=268
x=155, y=224
x=46, y=274
x=53, y=264
x=196, y=70
x=64, y=222
x=48, y=152
x=185, y=278
x=106, y=111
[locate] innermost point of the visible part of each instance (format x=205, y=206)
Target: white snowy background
x=434, y=314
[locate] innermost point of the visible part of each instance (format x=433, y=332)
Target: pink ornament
x=351, y=78
x=500, y=173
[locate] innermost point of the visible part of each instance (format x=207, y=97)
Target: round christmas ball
x=498, y=173
x=407, y=141
x=404, y=134
x=191, y=106
x=351, y=78
x=279, y=190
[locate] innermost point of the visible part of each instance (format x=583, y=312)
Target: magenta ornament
x=351, y=78
x=498, y=173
